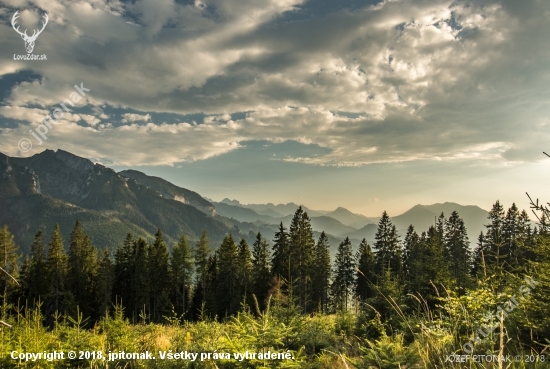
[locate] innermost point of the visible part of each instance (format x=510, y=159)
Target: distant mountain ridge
x=59, y=187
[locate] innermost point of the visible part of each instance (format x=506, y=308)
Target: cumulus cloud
x=132, y=117
x=398, y=81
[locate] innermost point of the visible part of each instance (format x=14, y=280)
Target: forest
x=425, y=299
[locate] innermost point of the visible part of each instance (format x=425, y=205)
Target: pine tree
x=182, y=274
x=159, y=278
x=35, y=283
x=388, y=250
x=344, y=276
x=58, y=297
x=228, y=283
x=321, y=274
x=301, y=257
x=366, y=265
x=82, y=270
x=457, y=250
x=410, y=247
x=9, y=263
x=280, y=264
x=261, y=274
x=103, y=283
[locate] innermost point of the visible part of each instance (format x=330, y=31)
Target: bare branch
x=15, y=280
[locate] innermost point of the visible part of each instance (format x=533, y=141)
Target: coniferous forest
x=423, y=299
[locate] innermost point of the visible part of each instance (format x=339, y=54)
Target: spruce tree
x=36, y=285
x=103, y=283
x=479, y=264
x=182, y=274
x=410, y=246
x=495, y=238
x=124, y=275
x=344, y=276
x=261, y=275
x=301, y=258
x=244, y=272
x=388, y=248
x=203, y=264
x=321, y=275
x=141, y=292
x=366, y=277
x=280, y=264
x=202, y=255
x=58, y=297
x=159, y=278
x=457, y=250
x=9, y=273
x=212, y=305
x=228, y=284
x=431, y=267
x=82, y=270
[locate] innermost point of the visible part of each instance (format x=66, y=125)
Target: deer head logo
x=29, y=40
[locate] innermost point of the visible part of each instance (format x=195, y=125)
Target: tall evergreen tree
x=103, y=283
x=9, y=273
x=36, y=285
x=82, y=270
x=388, y=248
x=228, y=283
x=366, y=277
x=124, y=275
x=495, y=238
x=182, y=274
x=281, y=254
x=159, y=278
x=261, y=275
x=321, y=274
x=244, y=272
x=344, y=276
x=141, y=292
x=457, y=250
x=482, y=249
x=301, y=258
x=212, y=305
x=203, y=264
x=432, y=266
x=202, y=254
x=58, y=298
x=410, y=245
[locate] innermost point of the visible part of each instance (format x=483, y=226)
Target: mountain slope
x=171, y=191
x=423, y=216
x=59, y=186
x=350, y=219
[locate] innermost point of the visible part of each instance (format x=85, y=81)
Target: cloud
x=131, y=117
x=397, y=81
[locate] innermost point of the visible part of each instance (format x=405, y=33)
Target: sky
x=365, y=104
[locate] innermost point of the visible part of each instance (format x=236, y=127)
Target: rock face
x=57, y=186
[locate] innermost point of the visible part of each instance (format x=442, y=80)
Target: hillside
x=52, y=187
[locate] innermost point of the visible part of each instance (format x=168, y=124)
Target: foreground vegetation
x=424, y=302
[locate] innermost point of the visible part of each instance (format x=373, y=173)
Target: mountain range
x=59, y=187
